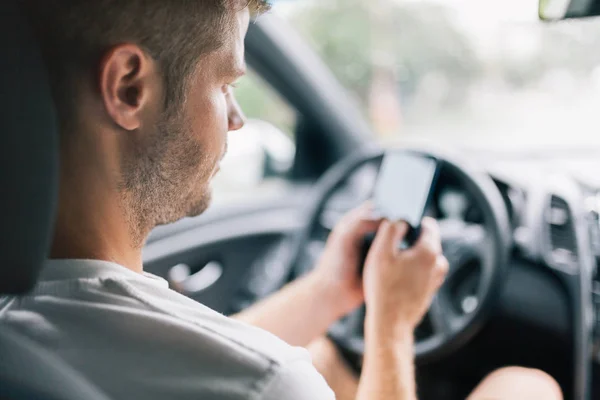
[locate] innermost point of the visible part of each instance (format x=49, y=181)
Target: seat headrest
x=28, y=154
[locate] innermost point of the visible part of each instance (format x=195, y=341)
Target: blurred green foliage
x=411, y=39
x=425, y=52
x=258, y=100
x=356, y=37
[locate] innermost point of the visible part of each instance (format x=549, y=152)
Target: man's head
x=143, y=92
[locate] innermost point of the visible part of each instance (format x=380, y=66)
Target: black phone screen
x=404, y=186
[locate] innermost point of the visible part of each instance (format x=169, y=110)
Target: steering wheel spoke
x=486, y=252
x=445, y=321
x=463, y=244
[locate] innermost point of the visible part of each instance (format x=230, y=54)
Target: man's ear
x=126, y=76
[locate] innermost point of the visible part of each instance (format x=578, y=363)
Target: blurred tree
x=339, y=30
x=567, y=46
x=258, y=100
x=415, y=52
x=355, y=37
x=427, y=41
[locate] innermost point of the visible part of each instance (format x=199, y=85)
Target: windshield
x=474, y=73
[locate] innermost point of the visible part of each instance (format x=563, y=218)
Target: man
x=143, y=94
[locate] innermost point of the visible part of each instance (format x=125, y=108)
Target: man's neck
x=73, y=245
x=92, y=237
x=92, y=223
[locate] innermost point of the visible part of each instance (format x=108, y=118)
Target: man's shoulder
x=222, y=333
x=248, y=360
x=120, y=330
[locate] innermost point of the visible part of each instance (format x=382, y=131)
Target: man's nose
x=235, y=115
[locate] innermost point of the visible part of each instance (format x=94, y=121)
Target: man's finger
x=441, y=271
x=364, y=212
x=388, y=236
x=360, y=222
x=429, y=239
x=433, y=229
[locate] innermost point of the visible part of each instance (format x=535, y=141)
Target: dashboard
x=541, y=204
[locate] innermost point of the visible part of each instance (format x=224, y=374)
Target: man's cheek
x=214, y=113
x=218, y=117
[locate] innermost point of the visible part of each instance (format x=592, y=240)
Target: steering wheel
x=486, y=245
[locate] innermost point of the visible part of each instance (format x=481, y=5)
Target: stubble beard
x=166, y=180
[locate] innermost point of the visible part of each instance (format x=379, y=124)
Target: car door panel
x=208, y=257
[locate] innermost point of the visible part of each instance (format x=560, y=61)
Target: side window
x=261, y=154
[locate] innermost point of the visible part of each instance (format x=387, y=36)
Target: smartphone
x=403, y=191
x=404, y=188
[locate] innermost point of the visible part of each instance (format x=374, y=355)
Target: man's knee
x=517, y=383
x=524, y=374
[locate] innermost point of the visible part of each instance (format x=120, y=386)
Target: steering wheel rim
x=497, y=248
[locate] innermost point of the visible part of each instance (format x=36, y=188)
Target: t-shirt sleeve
x=298, y=380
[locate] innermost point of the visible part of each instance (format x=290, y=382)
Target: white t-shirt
x=134, y=338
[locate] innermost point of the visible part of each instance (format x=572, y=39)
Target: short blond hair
x=74, y=34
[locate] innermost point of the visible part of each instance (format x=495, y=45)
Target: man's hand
x=304, y=310
x=400, y=284
x=338, y=267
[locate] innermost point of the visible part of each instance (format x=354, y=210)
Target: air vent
x=563, y=242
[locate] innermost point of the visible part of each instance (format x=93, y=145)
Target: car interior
x=521, y=232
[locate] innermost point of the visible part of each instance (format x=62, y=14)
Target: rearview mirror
x=554, y=10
